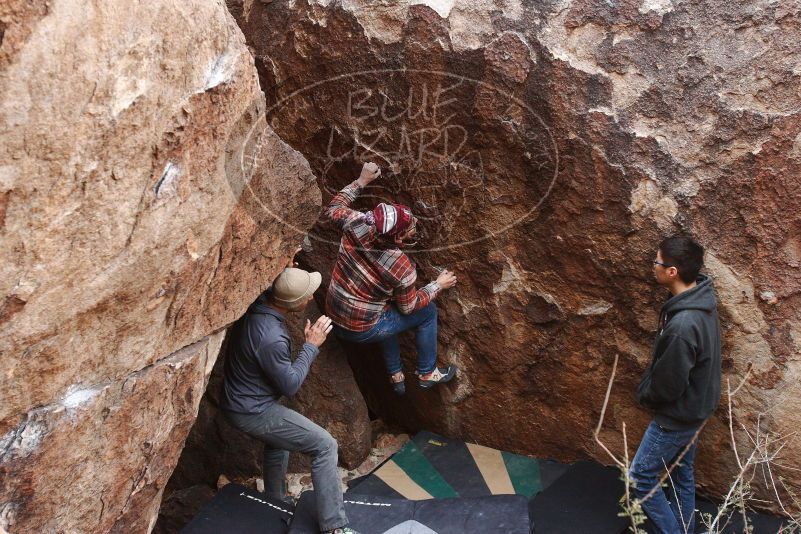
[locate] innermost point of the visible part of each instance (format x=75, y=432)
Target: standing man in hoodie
x=681, y=387
x=259, y=370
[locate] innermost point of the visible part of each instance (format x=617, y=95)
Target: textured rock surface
x=97, y=462
x=549, y=147
x=139, y=195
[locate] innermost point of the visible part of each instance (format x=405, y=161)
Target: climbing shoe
x=439, y=375
x=341, y=530
x=398, y=384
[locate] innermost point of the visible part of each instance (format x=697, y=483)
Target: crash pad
x=730, y=523
x=237, y=509
x=434, y=467
x=440, y=485
x=377, y=515
x=760, y=523
x=584, y=500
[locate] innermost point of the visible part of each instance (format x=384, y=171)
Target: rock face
x=146, y=199
x=547, y=149
x=180, y=507
x=98, y=462
x=144, y=203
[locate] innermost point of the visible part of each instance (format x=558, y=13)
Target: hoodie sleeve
x=667, y=378
x=339, y=209
x=280, y=370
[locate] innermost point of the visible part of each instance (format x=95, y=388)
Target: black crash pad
x=240, y=510
x=731, y=523
x=760, y=523
x=376, y=515
x=585, y=500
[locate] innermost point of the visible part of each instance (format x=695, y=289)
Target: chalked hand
x=292, y=262
x=446, y=279
x=370, y=171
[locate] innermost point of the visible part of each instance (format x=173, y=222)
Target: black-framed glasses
x=656, y=262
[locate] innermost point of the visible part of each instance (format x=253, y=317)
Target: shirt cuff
x=312, y=349
x=432, y=288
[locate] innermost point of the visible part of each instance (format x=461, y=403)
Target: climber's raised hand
x=370, y=171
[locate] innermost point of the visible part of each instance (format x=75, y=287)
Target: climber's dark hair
x=685, y=255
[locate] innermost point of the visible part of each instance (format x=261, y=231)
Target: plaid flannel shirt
x=365, y=278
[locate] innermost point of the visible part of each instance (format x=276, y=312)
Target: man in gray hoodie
x=681, y=386
x=260, y=369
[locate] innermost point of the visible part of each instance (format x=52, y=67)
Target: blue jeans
x=385, y=333
x=659, y=448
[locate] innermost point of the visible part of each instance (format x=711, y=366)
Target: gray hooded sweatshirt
x=258, y=364
x=682, y=385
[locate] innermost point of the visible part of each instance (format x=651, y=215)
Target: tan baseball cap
x=293, y=286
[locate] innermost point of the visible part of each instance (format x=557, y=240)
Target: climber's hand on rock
x=370, y=171
x=446, y=279
x=317, y=332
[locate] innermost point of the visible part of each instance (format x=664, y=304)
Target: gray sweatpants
x=283, y=430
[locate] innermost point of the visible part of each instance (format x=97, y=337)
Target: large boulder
x=548, y=147
x=144, y=203
x=98, y=461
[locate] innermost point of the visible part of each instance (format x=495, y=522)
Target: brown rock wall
x=548, y=148
x=98, y=460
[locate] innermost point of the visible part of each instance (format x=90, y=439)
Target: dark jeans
x=283, y=430
x=659, y=448
x=385, y=333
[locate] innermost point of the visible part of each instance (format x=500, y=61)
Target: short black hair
x=685, y=255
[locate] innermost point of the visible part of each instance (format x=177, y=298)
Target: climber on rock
x=372, y=295
x=681, y=386
x=259, y=370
